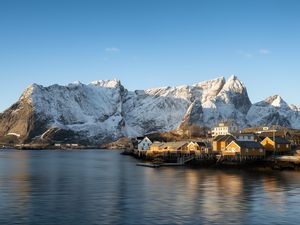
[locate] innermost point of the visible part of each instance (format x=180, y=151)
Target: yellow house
x=245, y=149
x=169, y=147
x=176, y=146
x=220, y=142
x=193, y=146
x=277, y=144
x=204, y=147
x=156, y=146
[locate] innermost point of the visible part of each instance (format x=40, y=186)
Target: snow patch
x=107, y=83
x=14, y=134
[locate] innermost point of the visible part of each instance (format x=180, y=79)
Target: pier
x=180, y=162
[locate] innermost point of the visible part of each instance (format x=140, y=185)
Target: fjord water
x=104, y=187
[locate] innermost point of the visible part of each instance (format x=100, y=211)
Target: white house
x=144, y=144
x=224, y=129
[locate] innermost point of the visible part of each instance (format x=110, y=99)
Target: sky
x=150, y=43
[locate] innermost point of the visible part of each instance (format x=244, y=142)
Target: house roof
x=249, y=144
x=201, y=143
x=279, y=140
x=217, y=138
x=158, y=144
x=224, y=138
x=175, y=145
x=145, y=138
x=243, y=134
x=280, y=133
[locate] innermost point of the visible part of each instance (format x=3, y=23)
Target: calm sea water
x=104, y=187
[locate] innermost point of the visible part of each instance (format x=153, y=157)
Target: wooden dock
x=293, y=159
x=180, y=162
x=152, y=165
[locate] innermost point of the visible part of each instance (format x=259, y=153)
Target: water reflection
x=103, y=187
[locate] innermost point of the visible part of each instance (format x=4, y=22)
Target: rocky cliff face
x=90, y=113
x=163, y=109
x=103, y=111
x=274, y=111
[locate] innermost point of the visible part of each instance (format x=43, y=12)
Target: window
x=287, y=146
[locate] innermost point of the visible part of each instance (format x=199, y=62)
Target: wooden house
x=200, y=146
x=144, y=144
x=169, y=146
x=279, y=133
x=277, y=144
x=220, y=142
x=193, y=146
x=295, y=138
x=245, y=149
x=157, y=146
x=178, y=146
x=169, y=149
x=224, y=128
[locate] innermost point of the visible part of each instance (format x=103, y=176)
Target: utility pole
x=275, y=146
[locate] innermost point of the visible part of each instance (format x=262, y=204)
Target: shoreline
x=257, y=165
x=250, y=165
x=55, y=148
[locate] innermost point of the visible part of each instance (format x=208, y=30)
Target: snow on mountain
x=164, y=108
x=107, y=83
x=193, y=115
x=104, y=110
x=94, y=110
x=159, y=109
x=231, y=102
x=208, y=90
x=274, y=111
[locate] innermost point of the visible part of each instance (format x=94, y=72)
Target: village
x=225, y=145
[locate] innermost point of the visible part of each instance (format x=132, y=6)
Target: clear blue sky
x=150, y=43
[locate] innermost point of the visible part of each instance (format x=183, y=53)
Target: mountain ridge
x=104, y=110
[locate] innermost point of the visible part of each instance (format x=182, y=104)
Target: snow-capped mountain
x=274, y=111
x=103, y=111
x=162, y=109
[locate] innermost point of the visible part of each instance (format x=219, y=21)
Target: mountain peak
x=276, y=101
x=29, y=90
x=107, y=83
x=235, y=85
x=219, y=80
x=77, y=82
x=233, y=77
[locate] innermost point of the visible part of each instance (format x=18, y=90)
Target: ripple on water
x=104, y=187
